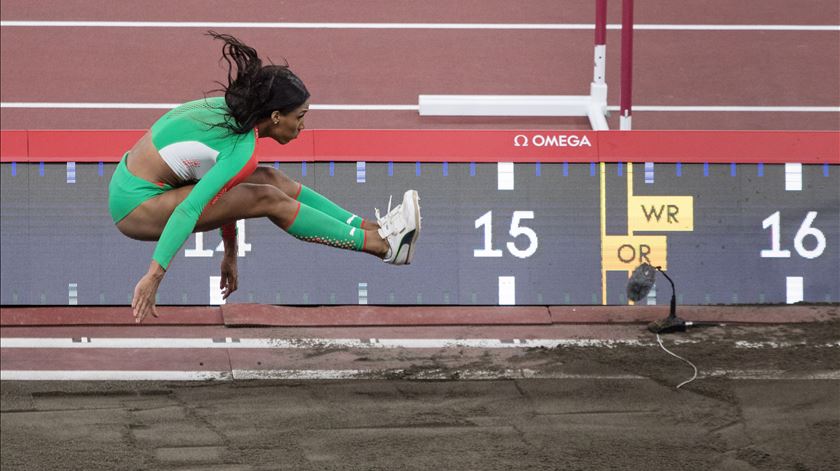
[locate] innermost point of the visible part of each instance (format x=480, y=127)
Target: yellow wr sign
x=660, y=213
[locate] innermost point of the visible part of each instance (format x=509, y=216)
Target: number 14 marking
x=199, y=250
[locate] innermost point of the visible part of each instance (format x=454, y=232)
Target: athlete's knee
x=267, y=198
x=263, y=175
x=278, y=179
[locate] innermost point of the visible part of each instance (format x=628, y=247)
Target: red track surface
x=154, y=65
x=337, y=316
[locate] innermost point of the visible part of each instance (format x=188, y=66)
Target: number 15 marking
x=516, y=230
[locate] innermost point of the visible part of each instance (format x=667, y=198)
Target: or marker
x=303, y=168
x=760, y=169
x=332, y=169
x=390, y=169
x=417, y=169
x=446, y=169
x=41, y=169
x=649, y=177
x=732, y=169
x=705, y=169
x=14, y=169
x=565, y=169
x=472, y=169
x=679, y=169
x=101, y=169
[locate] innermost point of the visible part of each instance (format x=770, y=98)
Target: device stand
x=672, y=323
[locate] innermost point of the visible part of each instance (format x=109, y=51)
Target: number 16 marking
x=775, y=251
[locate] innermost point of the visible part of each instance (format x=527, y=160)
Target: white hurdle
x=592, y=106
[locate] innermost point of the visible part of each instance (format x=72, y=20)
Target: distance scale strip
x=647, y=217
x=515, y=232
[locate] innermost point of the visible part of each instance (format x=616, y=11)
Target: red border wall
x=812, y=147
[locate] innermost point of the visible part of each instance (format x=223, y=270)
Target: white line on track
x=431, y=374
x=108, y=375
x=760, y=109
x=262, y=343
x=465, y=26
x=309, y=343
x=393, y=107
x=167, y=106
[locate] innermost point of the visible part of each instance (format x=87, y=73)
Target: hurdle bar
x=592, y=106
x=625, y=119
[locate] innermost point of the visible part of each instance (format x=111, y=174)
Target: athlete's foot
x=401, y=228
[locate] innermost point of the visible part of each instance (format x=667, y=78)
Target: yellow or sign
x=625, y=253
x=660, y=213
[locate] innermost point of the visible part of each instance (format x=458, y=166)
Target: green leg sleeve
x=316, y=200
x=312, y=225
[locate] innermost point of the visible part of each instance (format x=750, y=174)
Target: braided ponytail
x=256, y=91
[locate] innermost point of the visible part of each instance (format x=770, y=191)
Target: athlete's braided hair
x=256, y=90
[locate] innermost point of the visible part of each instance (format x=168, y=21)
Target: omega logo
x=559, y=140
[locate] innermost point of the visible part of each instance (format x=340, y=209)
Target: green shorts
x=126, y=192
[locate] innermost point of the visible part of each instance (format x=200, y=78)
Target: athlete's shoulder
x=210, y=109
x=202, y=120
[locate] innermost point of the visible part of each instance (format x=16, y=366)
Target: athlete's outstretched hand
x=143, y=302
x=230, y=276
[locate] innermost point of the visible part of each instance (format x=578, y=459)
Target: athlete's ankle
x=369, y=225
x=375, y=244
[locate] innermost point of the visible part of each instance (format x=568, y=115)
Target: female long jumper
x=196, y=170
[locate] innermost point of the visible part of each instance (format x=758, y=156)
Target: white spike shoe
x=401, y=227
